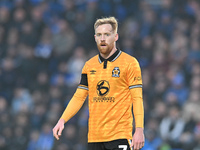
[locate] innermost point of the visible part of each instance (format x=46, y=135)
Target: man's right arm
x=72, y=108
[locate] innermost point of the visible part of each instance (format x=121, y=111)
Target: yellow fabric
x=111, y=98
x=138, y=110
x=75, y=104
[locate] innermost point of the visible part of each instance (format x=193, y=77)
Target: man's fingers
x=137, y=145
x=60, y=131
x=57, y=133
x=134, y=145
x=57, y=130
x=142, y=144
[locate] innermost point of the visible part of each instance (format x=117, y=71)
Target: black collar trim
x=111, y=58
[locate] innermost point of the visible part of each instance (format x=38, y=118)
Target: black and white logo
x=103, y=88
x=116, y=72
x=93, y=71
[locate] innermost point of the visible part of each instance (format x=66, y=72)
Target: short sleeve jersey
x=109, y=82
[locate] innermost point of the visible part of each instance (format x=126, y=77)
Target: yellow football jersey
x=108, y=82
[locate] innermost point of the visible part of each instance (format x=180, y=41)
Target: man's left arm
x=138, y=110
x=135, y=86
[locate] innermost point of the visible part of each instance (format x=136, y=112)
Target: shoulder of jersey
x=93, y=60
x=128, y=58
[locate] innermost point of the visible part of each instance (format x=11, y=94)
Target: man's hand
x=57, y=130
x=138, y=139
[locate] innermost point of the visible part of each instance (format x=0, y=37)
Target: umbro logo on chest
x=93, y=71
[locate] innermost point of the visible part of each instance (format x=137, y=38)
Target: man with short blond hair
x=112, y=80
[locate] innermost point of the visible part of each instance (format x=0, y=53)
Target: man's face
x=105, y=38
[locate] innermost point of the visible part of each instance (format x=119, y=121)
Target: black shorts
x=121, y=144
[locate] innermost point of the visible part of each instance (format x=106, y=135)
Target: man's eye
x=107, y=34
x=98, y=35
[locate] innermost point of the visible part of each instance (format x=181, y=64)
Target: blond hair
x=108, y=20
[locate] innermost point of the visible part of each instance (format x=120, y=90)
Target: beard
x=106, y=49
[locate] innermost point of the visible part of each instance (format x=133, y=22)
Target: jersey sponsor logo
x=137, y=78
x=103, y=88
x=116, y=72
x=103, y=99
x=93, y=71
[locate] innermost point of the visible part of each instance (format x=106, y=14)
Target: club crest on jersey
x=116, y=72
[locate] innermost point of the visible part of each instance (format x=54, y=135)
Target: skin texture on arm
x=138, y=110
x=72, y=108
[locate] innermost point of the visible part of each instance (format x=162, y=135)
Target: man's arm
x=138, y=110
x=135, y=85
x=72, y=108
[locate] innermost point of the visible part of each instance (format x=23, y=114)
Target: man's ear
x=95, y=38
x=116, y=37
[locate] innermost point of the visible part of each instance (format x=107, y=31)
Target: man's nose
x=103, y=38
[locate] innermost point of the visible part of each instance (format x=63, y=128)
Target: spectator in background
x=172, y=126
x=38, y=116
x=22, y=101
x=64, y=39
x=44, y=48
x=45, y=140
x=32, y=144
x=2, y=41
x=194, y=53
x=153, y=141
x=42, y=83
x=70, y=136
x=197, y=136
x=3, y=145
x=8, y=75
x=5, y=18
x=28, y=36
x=19, y=17
x=76, y=63
x=178, y=87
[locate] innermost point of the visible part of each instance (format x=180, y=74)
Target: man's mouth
x=103, y=45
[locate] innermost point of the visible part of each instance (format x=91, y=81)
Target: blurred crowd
x=45, y=43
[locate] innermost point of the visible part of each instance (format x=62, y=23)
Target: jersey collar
x=111, y=58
